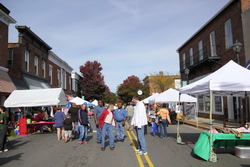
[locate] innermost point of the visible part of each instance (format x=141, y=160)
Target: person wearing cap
x=59, y=118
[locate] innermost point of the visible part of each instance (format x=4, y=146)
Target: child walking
x=154, y=127
x=68, y=127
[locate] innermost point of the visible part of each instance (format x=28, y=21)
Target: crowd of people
x=74, y=125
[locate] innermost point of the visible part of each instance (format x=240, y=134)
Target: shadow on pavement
x=6, y=160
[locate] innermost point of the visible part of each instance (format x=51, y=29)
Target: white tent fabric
x=95, y=102
x=36, y=97
x=229, y=79
x=78, y=101
x=150, y=97
x=172, y=95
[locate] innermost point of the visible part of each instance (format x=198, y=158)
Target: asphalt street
x=44, y=150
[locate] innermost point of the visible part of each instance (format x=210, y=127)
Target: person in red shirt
x=40, y=116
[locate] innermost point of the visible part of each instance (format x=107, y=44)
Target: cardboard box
x=242, y=152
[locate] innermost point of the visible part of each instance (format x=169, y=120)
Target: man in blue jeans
x=139, y=120
x=97, y=113
x=120, y=116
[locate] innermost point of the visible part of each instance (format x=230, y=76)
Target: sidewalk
x=204, y=123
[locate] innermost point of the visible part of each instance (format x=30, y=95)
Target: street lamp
x=187, y=72
x=237, y=47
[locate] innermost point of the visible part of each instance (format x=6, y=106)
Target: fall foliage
x=129, y=88
x=92, y=83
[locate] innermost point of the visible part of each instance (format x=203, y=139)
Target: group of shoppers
x=76, y=122
x=105, y=119
x=162, y=119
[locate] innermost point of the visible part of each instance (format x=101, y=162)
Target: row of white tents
x=169, y=96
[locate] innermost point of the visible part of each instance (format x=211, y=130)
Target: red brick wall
x=233, y=12
x=19, y=57
x=3, y=44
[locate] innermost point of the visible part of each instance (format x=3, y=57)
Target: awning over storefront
x=6, y=84
x=35, y=83
x=19, y=83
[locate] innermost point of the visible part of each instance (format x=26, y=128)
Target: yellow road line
x=146, y=156
x=137, y=155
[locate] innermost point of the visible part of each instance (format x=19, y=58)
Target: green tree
x=129, y=88
x=109, y=97
x=92, y=82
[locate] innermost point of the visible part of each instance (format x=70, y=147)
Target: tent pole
x=246, y=107
x=179, y=140
x=213, y=157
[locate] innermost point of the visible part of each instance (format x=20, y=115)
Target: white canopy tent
x=36, y=98
x=78, y=101
x=150, y=97
x=231, y=79
x=172, y=95
x=95, y=102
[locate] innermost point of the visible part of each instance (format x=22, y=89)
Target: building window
x=64, y=79
x=70, y=83
x=200, y=50
x=191, y=56
x=218, y=104
x=44, y=68
x=207, y=103
x=228, y=34
x=184, y=60
x=27, y=62
x=201, y=103
x=212, y=44
x=36, y=65
x=58, y=78
x=10, y=57
x=50, y=74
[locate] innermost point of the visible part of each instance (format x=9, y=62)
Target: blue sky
x=128, y=37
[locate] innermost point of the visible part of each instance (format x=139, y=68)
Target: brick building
x=210, y=48
x=6, y=84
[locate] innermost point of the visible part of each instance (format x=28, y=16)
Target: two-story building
x=211, y=47
x=6, y=84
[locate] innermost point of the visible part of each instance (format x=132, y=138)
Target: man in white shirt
x=139, y=120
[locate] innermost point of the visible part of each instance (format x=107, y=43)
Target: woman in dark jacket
x=83, y=127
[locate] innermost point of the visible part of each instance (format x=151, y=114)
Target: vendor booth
x=231, y=79
x=34, y=98
x=146, y=101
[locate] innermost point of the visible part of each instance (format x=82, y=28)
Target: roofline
x=209, y=21
x=23, y=27
x=7, y=17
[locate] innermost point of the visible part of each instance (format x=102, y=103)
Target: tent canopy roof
x=231, y=79
x=36, y=98
x=150, y=97
x=172, y=95
x=78, y=101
